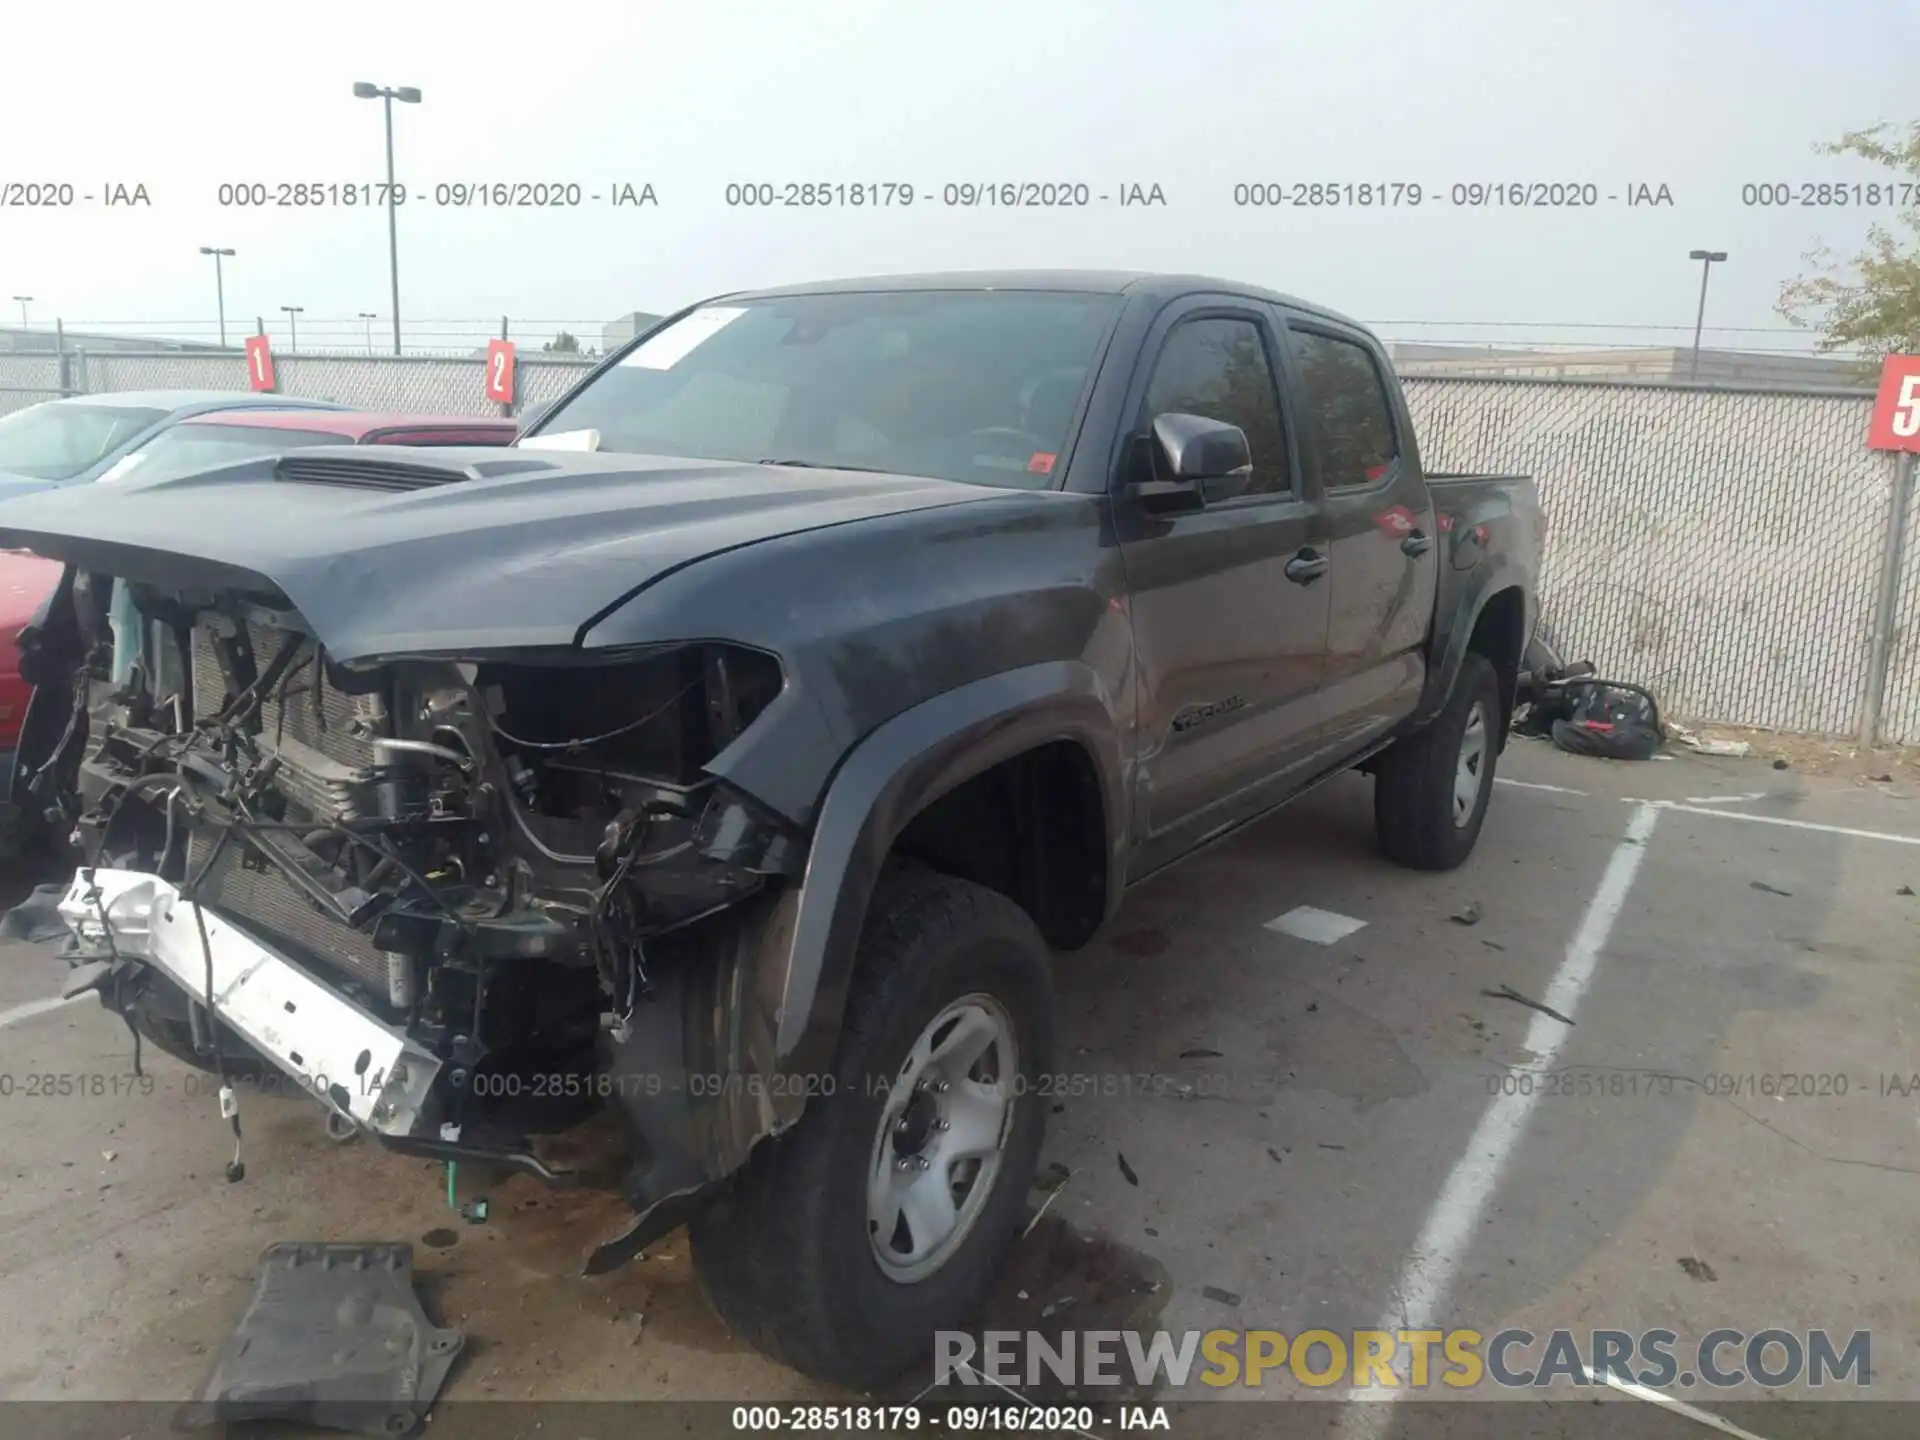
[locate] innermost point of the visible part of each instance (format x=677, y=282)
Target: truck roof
x=1098, y=282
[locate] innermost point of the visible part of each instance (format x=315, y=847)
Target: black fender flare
x=1450, y=649
x=766, y=1010
x=888, y=778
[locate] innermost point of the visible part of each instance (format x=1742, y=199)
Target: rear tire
x=1431, y=789
x=791, y=1254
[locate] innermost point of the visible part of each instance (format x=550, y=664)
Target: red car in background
x=204, y=442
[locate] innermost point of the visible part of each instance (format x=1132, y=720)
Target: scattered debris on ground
x=1126, y=1170
x=334, y=1336
x=1697, y=1269
x=1467, y=914
x=1507, y=992
x=1225, y=1297
x=1701, y=745
x=1767, y=889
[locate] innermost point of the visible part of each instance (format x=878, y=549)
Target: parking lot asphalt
x=1251, y=1129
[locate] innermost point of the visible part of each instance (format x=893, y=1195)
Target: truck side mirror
x=1195, y=460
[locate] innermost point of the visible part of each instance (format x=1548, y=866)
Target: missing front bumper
x=351, y=1061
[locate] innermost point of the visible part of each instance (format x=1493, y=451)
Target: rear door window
x=1346, y=404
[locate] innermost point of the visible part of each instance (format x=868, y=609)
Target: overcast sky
x=1699, y=95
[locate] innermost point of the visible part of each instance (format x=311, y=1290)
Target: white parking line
x=1679, y=1407
x=1726, y=799
x=1536, y=785
x=1782, y=820
x=1456, y=1217
x=36, y=1007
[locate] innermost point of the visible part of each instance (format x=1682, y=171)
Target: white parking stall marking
x=1679, y=1407
x=1537, y=785
x=36, y=1007
x=1783, y=820
x=1307, y=922
x=1728, y=799
x=1456, y=1217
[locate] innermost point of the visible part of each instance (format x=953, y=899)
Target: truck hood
x=12, y=484
x=389, y=550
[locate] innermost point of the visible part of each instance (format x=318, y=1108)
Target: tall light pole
x=406, y=95
x=24, y=301
x=1706, y=259
x=219, y=288
x=293, y=319
x=369, y=316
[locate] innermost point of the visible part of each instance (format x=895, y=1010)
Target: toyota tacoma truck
x=729, y=755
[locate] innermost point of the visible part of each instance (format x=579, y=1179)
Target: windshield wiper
x=822, y=465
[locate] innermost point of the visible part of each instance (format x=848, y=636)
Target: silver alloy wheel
x=937, y=1151
x=1467, y=773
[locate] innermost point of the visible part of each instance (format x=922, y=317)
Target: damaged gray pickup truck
x=730, y=755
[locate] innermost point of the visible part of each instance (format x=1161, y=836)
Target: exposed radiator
x=308, y=711
x=266, y=901
x=325, y=726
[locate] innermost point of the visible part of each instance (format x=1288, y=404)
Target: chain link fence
x=1723, y=548
x=421, y=384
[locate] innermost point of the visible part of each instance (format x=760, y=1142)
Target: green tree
x=563, y=344
x=1869, y=301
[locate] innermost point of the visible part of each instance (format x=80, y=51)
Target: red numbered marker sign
x=1896, y=410
x=500, y=371
x=259, y=363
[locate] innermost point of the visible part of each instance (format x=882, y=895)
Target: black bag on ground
x=1610, y=720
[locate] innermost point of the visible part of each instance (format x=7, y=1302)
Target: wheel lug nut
x=903, y=1164
x=941, y=1088
x=900, y=1126
x=943, y=1124
x=919, y=1162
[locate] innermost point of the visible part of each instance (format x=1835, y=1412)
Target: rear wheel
x=884, y=1213
x=1431, y=789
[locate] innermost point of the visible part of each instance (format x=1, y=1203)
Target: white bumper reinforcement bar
x=352, y=1062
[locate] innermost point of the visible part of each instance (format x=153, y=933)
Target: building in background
x=39, y=340
x=616, y=333
x=1657, y=365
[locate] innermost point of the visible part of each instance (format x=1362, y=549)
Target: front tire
x=159, y=1013
x=1431, y=789
x=884, y=1213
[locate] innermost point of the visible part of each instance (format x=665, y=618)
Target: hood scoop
x=367, y=474
x=371, y=469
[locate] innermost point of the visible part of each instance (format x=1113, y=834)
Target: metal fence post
x=1887, y=602
x=507, y=406
x=64, y=375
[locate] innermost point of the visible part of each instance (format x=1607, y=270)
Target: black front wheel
x=884, y=1213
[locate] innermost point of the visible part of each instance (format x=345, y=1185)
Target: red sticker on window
x=1040, y=463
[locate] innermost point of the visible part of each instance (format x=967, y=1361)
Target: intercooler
x=310, y=713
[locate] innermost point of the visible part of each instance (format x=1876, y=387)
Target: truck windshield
x=57, y=441
x=973, y=385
